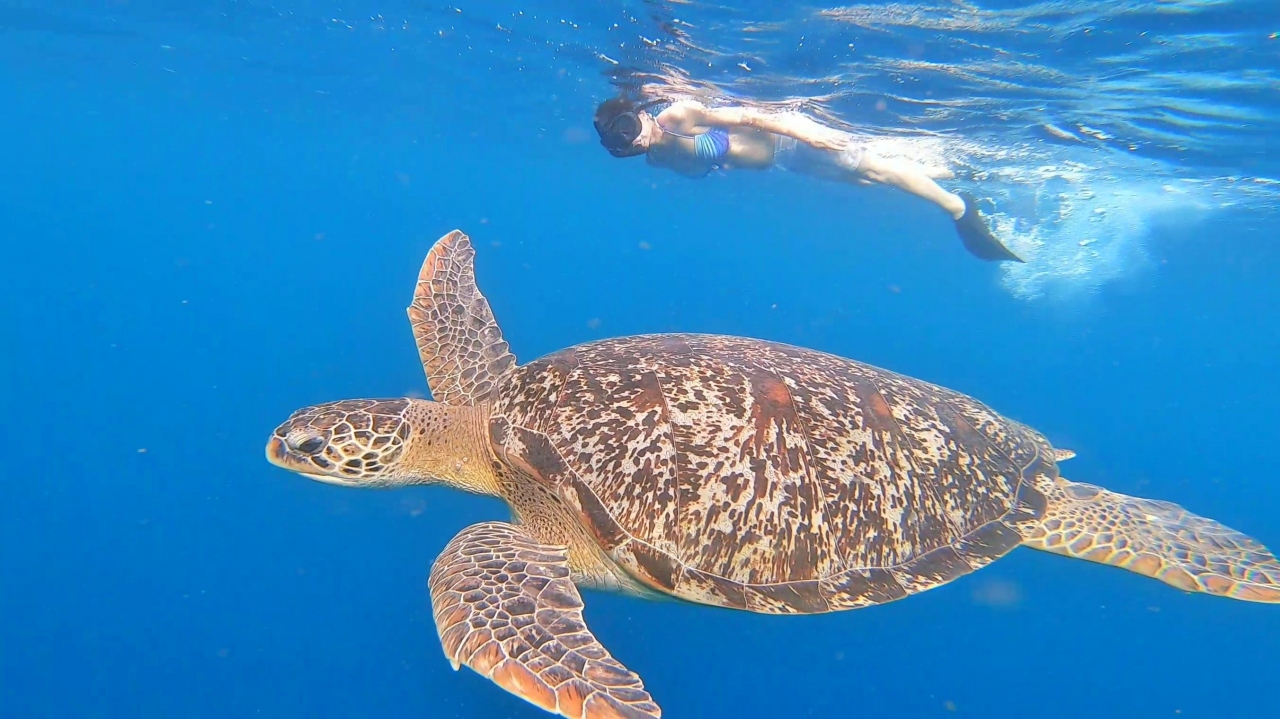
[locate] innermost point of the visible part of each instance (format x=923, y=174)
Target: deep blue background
x=190, y=257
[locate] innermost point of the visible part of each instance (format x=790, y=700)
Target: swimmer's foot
x=977, y=237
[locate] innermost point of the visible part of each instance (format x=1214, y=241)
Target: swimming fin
x=977, y=237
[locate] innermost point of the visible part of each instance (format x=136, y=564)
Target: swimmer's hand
x=828, y=140
x=812, y=133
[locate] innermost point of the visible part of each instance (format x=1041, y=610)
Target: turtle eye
x=310, y=445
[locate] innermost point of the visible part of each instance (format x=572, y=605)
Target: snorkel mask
x=619, y=133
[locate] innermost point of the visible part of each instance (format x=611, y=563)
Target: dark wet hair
x=612, y=108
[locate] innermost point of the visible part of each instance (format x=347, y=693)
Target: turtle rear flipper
x=1156, y=539
x=506, y=607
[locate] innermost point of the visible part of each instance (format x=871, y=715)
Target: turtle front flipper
x=1154, y=538
x=459, y=340
x=505, y=606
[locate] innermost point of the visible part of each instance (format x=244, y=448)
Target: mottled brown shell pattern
x=771, y=478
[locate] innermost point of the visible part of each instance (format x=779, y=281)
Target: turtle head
x=385, y=443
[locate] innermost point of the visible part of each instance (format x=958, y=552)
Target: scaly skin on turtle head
x=386, y=443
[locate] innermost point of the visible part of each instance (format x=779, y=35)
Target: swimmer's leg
x=913, y=178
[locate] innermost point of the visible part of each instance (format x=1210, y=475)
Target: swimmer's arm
x=790, y=124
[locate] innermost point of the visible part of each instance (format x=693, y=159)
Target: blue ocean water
x=214, y=213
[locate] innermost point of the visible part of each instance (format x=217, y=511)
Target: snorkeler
x=692, y=139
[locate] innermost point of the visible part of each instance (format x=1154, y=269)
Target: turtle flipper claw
x=977, y=237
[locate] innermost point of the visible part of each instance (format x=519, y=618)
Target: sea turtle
x=719, y=470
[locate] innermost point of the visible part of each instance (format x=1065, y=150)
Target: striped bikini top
x=709, y=146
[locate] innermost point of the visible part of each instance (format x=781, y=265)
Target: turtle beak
x=276, y=452
x=335, y=481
